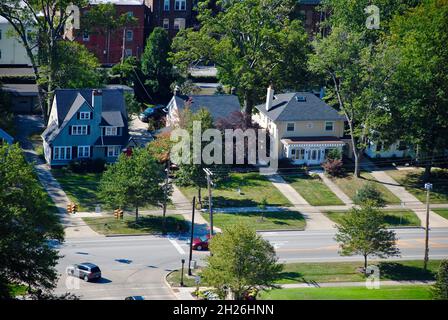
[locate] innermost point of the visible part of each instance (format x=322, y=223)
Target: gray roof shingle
x=219, y=106
x=286, y=107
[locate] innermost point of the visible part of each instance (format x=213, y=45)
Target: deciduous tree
x=26, y=226
x=362, y=231
x=241, y=260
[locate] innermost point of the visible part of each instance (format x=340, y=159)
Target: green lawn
x=271, y=220
x=253, y=188
x=81, y=188
x=392, y=217
x=321, y=272
x=348, y=271
x=350, y=185
x=313, y=189
x=189, y=281
x=146, y=224
x=411, y=292
x=442, y=212
x=413, y=181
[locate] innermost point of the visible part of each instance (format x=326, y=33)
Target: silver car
x=86, y=270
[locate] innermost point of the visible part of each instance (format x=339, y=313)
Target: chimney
x=269, y=97
x=97, y=103
x=176, y=90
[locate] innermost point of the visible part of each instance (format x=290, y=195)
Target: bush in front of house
x=87, y=165
x=369, y=194
x=333, y=167
x=440, y=288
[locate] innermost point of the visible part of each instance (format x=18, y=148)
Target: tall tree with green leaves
x=418, y=94
x=192, y=174
x=76, y=67
x=103, y=19
x=362, y=231
x=241, y=260
x=39, y=24
x=253, y=43
x=133, y=181
x=155, y=67
x=26, y=226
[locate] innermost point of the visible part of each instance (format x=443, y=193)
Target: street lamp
x=182, y=274
x=428, y=187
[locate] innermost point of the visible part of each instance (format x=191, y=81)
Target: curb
x=279, y=230
x=133, y=235
x=168, y=285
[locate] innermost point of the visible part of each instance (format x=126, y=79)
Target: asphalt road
x=137, y=265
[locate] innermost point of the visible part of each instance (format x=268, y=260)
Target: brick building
x=172, y=15
x=312, y=16
x=133, y=37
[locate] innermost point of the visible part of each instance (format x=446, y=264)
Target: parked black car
x=86, y=271
x=152, y=112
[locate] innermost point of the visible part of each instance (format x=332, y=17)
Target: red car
x=201, y=243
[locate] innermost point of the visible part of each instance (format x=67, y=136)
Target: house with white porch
x=304, y=126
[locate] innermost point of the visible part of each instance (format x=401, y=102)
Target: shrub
x=334, y=154
x=369, y=195
x=333, y=167
x=440, y=288
x=87, y=165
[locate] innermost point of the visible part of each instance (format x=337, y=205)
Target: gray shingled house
x=304, y=126
x=219, y=106
x=86, y=124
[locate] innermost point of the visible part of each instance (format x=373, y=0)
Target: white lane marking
x=177, y=246
x=278, y=244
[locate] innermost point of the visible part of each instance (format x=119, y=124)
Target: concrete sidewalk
x=410, y=202
x=74, y=227
x=315, y=219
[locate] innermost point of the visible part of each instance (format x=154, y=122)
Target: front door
x=314, y=156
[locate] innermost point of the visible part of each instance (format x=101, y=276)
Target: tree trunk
x=428, y=166
x=248, y=105
x=199, y=198
x=136, y=214
x=365, y=264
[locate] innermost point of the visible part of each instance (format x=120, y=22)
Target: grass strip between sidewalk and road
x=392, y=218
x=441, y=212
x=410, y=292
x=145, y=224
x=276, y=220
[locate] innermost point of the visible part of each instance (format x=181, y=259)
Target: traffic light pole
x=428, y=187
x=191, y=236
x=165, y=195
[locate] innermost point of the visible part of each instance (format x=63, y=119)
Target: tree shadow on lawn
x=397, y=221
x=397, y=271
x=222, y=202
x=153, y=224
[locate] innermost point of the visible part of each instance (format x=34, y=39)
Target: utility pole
x=124, y=44
x=210, y=207
x=165, y=195
x=191, y=236
x=428, y=187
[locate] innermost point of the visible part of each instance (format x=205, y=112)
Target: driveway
x=138, y=131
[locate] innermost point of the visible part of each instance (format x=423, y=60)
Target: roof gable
x=219, y=106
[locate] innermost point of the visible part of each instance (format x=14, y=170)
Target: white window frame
x=85, y=35
x=113, y=151
x=166, y=5
x=84, y=115
x=180, y=5
x=332, y=126
x=129, y=35
x=293, y=127
x=59, y=153
x=82, y=152
x=109, y=131
x=79, y=130
x=166, y=24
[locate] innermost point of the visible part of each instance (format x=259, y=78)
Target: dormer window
x=84, y=115
x=290, y=126
x=329, y=126
x=110, y=131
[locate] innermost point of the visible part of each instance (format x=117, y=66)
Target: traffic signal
x=74, y=207
x=69, y=208
x=118, y=213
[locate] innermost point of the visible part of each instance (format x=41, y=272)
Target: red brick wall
x=97, y=41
